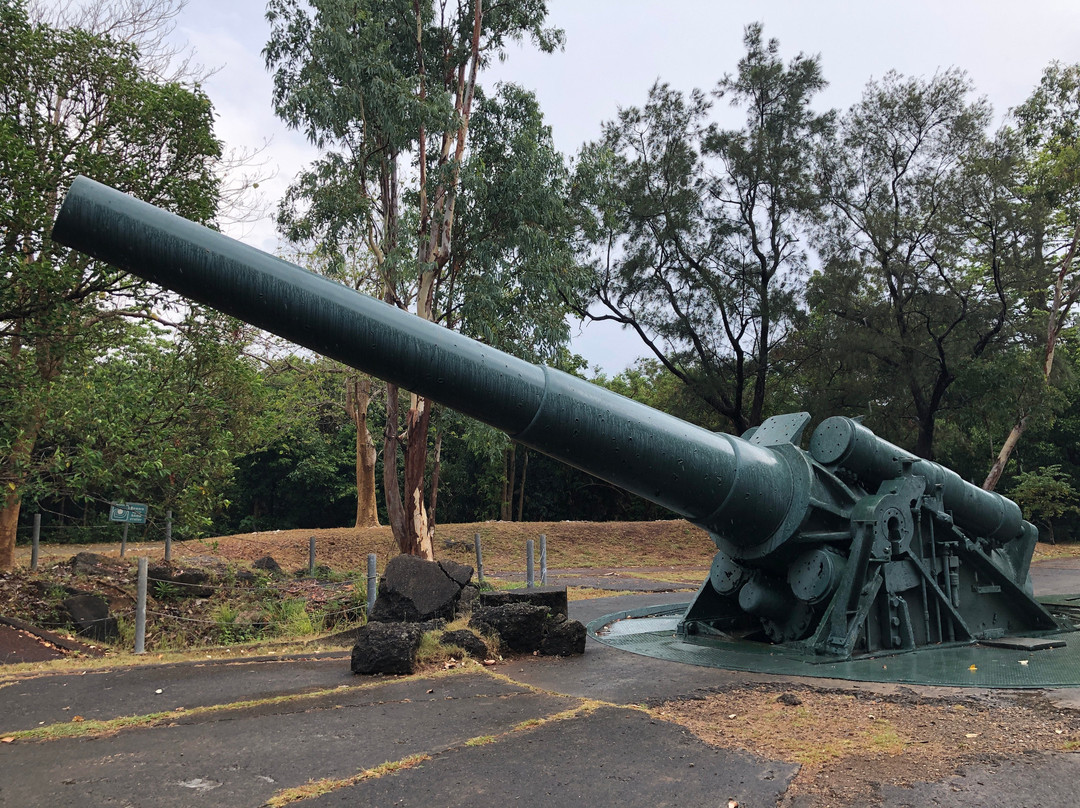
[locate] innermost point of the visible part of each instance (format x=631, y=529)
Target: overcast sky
x=616, y=49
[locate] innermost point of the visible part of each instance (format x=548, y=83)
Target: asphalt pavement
x=532, y=731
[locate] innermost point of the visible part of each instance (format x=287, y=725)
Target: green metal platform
x=650, y=631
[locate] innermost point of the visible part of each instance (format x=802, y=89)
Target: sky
x=616, y=49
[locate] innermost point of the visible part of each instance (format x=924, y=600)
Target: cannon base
x=651, y=632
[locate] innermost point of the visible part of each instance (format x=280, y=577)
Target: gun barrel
x=727, y=485
x=848, y=444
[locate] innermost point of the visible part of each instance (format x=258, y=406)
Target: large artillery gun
x=852, y=547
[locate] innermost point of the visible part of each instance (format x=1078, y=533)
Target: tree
x=1048, y=126
x=72, y=102
x=697, y=229
x=1045, y=494
x=389, y=89
x=920, y=267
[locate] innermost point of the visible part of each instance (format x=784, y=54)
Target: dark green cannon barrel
x=745, y=493
x=843, y=442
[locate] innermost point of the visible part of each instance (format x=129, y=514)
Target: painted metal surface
x=852, y=548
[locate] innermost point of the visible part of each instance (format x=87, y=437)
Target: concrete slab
x=611, y=757
x=242, y=758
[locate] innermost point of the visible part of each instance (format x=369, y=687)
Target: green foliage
x=697, y=229
x=1045, y=494
x=72, y=102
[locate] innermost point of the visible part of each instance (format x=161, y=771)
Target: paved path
x=533, y=731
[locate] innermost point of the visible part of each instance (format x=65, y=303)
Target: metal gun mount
x=854, y=547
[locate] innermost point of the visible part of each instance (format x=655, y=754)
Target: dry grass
x=849, y=744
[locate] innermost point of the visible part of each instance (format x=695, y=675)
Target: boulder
x=386, y=648
x=90, y=614
x=563, y=637
x=551, y=597
x=520, y=626
x=92, y=564
x=467, y=641
x=414, y=590
x=168, y=581
x=268, y=564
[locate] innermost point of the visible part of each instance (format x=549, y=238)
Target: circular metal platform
x=650, y=631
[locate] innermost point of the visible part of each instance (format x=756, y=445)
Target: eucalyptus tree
x=73, y=102
x=1047, y=126
x=921, y=260
x=697, y=230
x=390, y=89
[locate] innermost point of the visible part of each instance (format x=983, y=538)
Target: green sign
x=131, y=512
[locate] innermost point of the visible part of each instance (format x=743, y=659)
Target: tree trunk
x=357, y=399
x=521, y=492
x=408, y=514
x=435, y=469
x=9, y=524
x=991, y=481
x=506, y=511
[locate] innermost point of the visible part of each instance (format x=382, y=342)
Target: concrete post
x=140, y=609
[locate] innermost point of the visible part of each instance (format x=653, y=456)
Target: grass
x=317, y=788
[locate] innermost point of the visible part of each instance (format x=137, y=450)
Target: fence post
x=140, y=609
x=479, y=558
x=35, y=543
x=168, y=535
x=543, y=560
x=123, y=541
x=372, y=582
x=311, y=557
x=530, y=581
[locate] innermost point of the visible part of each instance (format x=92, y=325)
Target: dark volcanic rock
x=563, y=637
x=169, y=581
x=91, y=563
x=414, y=590
x=268, y=564
x=520, y=626
x=386, y=648
x=461, y=574
x=90, y=614
x=552, y=597
x=467, y=642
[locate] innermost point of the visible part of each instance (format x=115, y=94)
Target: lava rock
x=551, y=597
x=467, y=641
x=520, y=626
x=563, y=637
x=414, y=590
x=90, y=614
x=268, y=564
x=179, y=582
x=386, y=648
x=461, y=574
x=91, y=564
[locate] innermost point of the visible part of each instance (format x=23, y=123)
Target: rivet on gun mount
x=855, y=547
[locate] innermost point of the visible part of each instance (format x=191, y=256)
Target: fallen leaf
x=9, y=739
x=971, y=735
x=732, y=804
x=972, y=668
x=733, y=715
x=489, y=662
x=1023, y=662
x=76, y=719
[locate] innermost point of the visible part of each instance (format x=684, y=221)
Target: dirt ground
x=569, y=544
x=851, y=743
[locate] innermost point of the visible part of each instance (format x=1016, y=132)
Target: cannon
x=851, y=547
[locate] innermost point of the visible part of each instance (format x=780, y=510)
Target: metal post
x=311, y=557
x=168, y=535
x=479, y=558
x=372, y=582
x=34, y=544
x=543, y=560
x=530, y=581
x=123, y=541
x=140, y=609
